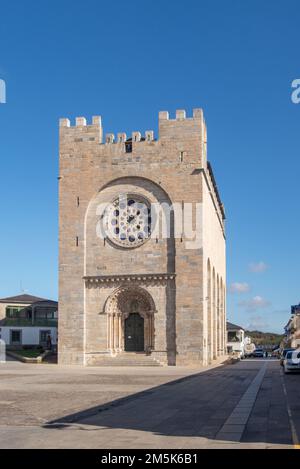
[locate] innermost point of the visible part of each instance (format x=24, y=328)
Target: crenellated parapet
x=184, y=134
x=180, y=114
x=109, y=138
x=182, y=126
x=81, y=122
x=81, y=132
x=121, y=137
x=182, y=141
x=135, y=137
x=84, y=132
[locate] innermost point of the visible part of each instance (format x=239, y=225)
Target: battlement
x=181, y=128
x=135, y=137
x=181, y=115
x=80, y=122
x=81, y=132
x=182, y=141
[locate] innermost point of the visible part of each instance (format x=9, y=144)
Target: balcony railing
x=23, y=322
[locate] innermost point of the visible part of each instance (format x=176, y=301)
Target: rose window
x=128, y=221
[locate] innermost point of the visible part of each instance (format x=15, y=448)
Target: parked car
x=258, y=353
x=283, y=354
x=291, y=361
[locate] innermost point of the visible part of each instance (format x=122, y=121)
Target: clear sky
x=126, y=61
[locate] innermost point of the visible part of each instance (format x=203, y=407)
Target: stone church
x=130, y=293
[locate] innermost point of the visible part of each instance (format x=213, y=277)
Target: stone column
x=151, y=329
x=148, y=316
x=116, y=332
x=111, y=333
x=120, y=332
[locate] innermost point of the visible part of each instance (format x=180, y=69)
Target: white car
x=291, y=361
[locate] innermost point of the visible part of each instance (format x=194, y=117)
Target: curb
x=19, y=357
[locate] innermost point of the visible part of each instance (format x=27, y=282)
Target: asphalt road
x=247, y=405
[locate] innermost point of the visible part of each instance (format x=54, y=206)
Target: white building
x=292, y=329
x=235, y=339
x=28, y=320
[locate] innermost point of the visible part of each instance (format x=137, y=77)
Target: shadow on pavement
x=197, y=406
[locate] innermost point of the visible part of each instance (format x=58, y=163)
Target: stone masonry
x=162, y=296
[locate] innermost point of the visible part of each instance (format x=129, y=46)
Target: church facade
x=142, y=262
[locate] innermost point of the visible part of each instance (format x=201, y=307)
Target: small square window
x=15, y=337
x=44, y=334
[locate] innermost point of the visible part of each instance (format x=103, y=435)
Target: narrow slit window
x=128, y=146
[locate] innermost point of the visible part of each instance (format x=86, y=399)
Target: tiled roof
x=22, y=299
x=234, y=327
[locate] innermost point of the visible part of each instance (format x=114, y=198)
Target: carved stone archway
x=124, y=301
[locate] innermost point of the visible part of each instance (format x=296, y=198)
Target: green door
x=134, y=333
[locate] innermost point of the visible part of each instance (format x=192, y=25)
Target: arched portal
x=130, y=324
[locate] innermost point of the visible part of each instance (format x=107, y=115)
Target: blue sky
x=126, y=61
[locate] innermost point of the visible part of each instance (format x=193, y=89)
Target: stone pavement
x=235, y=426
x=232, y=406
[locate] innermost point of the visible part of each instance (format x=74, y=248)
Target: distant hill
x=264, y=338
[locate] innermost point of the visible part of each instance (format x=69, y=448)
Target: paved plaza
x=250, y=404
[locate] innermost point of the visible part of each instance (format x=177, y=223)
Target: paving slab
x=48, y=406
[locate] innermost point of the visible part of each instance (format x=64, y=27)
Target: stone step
x=103, y=363
x=130, y=359
x=122, y=362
